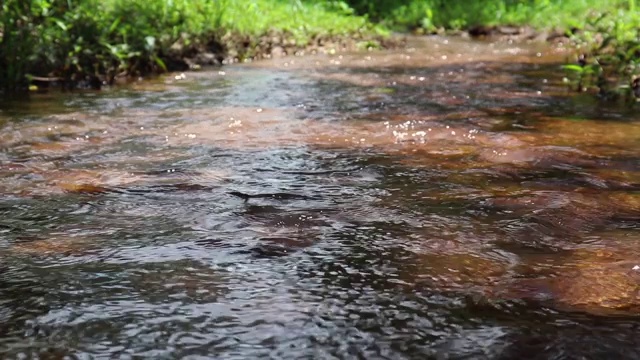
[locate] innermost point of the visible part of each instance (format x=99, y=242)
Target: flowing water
x=450, y=201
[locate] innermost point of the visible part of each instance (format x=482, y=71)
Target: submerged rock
x=598, y=282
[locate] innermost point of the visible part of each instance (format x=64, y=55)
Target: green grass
x=605, y=33
x=460, y=14
x=84, y=39
x=300, y=18
x=92, y=40
x=609, y=48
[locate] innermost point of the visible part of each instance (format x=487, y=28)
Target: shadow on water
x=448, y=201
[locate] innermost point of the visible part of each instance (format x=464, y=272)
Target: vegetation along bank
x=89, y=43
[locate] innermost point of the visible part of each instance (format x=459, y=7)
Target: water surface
x=460, y=203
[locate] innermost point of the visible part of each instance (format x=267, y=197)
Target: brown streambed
x=458, y=201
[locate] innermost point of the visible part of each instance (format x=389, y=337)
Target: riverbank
x=88, y=43
x=91, y=43
x=604, y=34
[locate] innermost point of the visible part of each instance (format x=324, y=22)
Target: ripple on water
x=443, y=202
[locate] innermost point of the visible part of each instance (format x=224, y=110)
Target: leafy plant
x=610, y=53
x=88, y=42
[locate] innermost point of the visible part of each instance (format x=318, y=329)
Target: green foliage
x=299, y=18
x=433, y=14
x=609, y=40
x=18, y=21
x=609, y=48
x=94, y=40
x=84, y=40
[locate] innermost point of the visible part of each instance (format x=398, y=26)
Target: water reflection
x=447, y=201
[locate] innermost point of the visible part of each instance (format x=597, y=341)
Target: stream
x=451, y=200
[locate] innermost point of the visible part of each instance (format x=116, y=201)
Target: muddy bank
x=237, y=48
x=518, y=33
x=226, y=49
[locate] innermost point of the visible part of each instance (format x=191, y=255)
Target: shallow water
x=460, y=203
